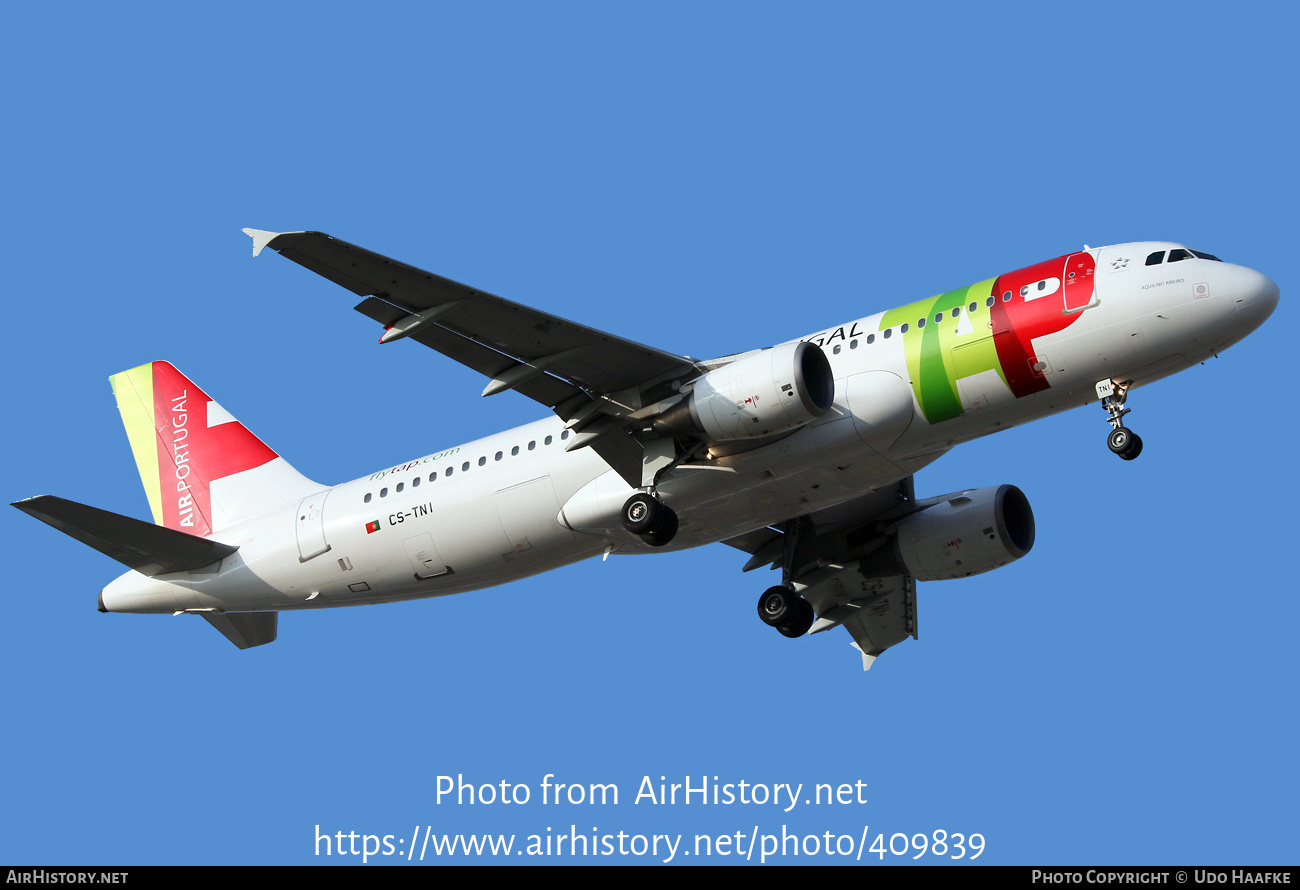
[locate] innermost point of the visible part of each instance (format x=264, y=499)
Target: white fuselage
x=516, y=503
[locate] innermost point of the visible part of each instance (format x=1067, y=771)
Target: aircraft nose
x=1256, y=295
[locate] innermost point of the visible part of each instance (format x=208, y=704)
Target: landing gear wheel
x=642, y=514
x=789, y=613
x=776, y=605
x=1120, y=440
x=666, y=531
x=801, y=621
x=1134, y=449
x=1124, y=442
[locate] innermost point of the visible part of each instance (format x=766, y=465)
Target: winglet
x=260, y=238
x=866, y=659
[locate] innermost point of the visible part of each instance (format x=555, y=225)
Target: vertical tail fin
x=202, y=469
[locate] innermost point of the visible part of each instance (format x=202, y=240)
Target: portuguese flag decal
x=372, y=527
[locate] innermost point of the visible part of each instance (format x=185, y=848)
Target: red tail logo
x=198, y=443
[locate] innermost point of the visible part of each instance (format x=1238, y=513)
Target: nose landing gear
x=1122, y=441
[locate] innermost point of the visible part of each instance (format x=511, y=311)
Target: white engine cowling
x=775, y=390
x=967, y=534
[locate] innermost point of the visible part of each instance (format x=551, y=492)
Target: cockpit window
x=1205, y=256
x=1156, y=258
x=1179, y=254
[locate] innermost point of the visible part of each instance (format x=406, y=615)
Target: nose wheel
x=1122, y=440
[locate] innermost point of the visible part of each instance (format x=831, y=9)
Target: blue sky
x=706, y=179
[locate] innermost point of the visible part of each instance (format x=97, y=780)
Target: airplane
x=800, y=455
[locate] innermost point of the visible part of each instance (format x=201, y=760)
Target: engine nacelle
x=775, y=390
x=968, y=533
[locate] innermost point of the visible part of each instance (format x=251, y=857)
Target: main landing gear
x=1122, y=440
x=649, y=518
x=781, y=607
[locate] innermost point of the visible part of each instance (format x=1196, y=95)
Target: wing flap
x=543, y=388
x=884, y=621
x=385, y=313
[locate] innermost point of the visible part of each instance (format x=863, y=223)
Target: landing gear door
x=1078, y=283
x=310, y=526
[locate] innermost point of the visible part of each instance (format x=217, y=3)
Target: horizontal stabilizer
x=245, y=629
x=149, y=549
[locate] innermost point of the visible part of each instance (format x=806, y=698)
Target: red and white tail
x=202, y=469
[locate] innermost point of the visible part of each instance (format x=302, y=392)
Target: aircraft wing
x=563, y=365
x=827, y=552
x=877, y=612
x=594, y=380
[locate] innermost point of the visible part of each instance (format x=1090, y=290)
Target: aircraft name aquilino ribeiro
x=800, y=454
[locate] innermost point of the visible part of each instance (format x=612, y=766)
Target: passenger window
x=1156, y=258
x=482, y=461
x=1040, y=288
x=836, y=351
x=991, y=300
x=547, y=441
x=449, y=471
x=383, y=492
x=564, y=435
x=853, y=344
x=871, y=338
x=938, y=317
x=920, y=322
x=972, y=307
x=433, y=475
x=464, y=468
x=532, y=445
x=902, y=328
x=514, y=451
x=1180, y=254
x=367, y=498
x=415, y=483
x=498, y=457
x=888, y=331
x=400, y=486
